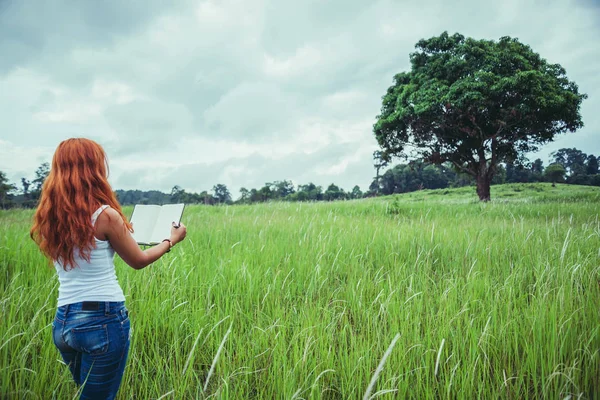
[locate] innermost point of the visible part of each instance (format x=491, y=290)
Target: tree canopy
x=555, y=173
x=573, y=160
x=222, y=194
x=475, y=104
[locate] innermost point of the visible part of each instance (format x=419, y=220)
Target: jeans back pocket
x=90, y=339
x=123, y=315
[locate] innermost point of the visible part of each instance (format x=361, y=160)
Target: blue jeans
x=93, y=340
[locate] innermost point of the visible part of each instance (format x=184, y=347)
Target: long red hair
x=76, y=186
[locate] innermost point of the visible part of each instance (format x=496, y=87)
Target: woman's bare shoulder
x=109, y=222
x=110, y=215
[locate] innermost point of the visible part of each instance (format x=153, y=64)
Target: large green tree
x=475, y=104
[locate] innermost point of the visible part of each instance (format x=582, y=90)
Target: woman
x=79, y=225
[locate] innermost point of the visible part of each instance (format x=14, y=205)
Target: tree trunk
x=483, y=186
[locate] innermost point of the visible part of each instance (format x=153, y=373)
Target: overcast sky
x=195, y=93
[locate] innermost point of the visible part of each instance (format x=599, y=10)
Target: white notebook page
x=152, y=223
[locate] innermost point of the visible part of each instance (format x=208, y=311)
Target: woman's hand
x=178, y=233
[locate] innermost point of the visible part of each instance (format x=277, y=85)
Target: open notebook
x=152, y=223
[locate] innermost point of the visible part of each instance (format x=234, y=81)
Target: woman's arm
x=110, y=226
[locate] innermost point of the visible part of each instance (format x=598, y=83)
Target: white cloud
x=251, y=110
x=69, y=113
x=115, y=92
x=22, y=161
x=303, y=60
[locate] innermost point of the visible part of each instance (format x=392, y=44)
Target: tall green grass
x=448, y=297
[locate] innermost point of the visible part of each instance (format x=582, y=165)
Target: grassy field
x=452, y=298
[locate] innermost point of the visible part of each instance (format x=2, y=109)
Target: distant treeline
x=567, y=166
x=570, y=166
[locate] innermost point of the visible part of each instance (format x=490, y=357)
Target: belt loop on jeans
x=107, y=307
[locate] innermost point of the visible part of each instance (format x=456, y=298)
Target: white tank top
x=95, y=280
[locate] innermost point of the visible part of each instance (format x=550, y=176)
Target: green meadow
x=428, y=295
